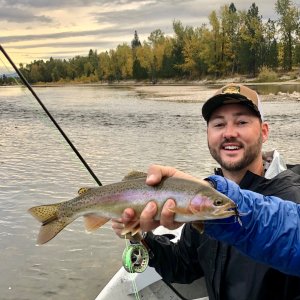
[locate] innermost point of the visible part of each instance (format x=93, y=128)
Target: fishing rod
x=27, y=84
x=129, y=251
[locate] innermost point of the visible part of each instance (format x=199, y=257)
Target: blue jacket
x=230, y=274
x=269, y=231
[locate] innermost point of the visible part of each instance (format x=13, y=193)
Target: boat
x=149, y=284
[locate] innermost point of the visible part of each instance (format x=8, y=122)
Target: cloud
x=100, y=24
x=47, y=3
x=88, y=44
x=102, y=33
x=124, y=12
x=57, y=4
x=155, y=15
x=21, y=16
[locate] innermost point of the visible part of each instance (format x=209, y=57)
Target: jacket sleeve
x=268, y=231
x=175, y=262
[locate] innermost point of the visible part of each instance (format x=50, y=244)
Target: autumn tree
x=167, y=64
x=232, y=42
x=229, y=38
x=144, y=55
x=105, y=72
x=162, y=52
x=181, y=35
x=213, y=53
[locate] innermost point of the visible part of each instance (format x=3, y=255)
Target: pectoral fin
x=132, y=228
x=93, y=222
x=180, y=210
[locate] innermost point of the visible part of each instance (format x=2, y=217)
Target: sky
x=40, y=29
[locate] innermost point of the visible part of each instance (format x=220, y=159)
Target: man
x=235, y=133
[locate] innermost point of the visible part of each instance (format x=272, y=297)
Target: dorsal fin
x=134, y=175
x=83, y=190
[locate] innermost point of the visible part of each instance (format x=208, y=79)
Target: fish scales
x=194, y=201
x=116, y=196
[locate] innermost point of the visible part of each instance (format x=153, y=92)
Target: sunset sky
x=39, y=29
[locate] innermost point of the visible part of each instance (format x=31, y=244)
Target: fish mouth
x=227, y=210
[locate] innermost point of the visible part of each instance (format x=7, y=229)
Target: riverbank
x=200, y=93
x=195, y=91
x=173, y=82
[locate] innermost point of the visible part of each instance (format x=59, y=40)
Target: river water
x=116, y=129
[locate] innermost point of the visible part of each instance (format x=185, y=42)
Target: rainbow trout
x=195, y=201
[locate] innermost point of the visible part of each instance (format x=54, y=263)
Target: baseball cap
x=230, y=94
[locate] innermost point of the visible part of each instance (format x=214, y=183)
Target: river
x=116, y=129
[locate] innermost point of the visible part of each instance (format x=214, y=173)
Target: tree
x=124, y=61
x=288, y=25
x=167, y=65
x=251, y=40
x=136, y=41
x=233, y=41
x=230, y=38
x=193, y=63
x=92, y=61
x=213, y=55
x=105, y=73
x=138, y=71
x=146, y=59
x=157, y=37
x=182, y=34
x=159, y=46
x=270, y=57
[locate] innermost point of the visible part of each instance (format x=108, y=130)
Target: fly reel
x=135, y=258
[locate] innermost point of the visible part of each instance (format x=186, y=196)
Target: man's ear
x=265, y=131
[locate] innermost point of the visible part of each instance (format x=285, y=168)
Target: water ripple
x=116, y=131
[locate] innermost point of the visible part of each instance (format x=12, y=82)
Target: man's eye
x=219, y=125
x=242, y=122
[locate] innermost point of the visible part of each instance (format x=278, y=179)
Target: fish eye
x=218, y=202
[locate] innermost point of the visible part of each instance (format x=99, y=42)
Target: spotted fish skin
x=195, y=200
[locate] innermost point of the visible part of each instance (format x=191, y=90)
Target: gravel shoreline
x=196, y=93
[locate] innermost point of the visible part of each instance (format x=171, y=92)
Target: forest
x=232, y=42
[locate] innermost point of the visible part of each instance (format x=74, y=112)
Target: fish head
x=212, y=205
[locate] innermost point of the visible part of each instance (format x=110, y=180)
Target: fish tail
x=51, y=223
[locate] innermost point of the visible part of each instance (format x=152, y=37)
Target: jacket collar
x=273, y=163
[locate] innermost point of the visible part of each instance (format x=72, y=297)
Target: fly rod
x=27, y=84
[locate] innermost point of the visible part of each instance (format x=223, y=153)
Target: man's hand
x=157, y=172
x=147, y=222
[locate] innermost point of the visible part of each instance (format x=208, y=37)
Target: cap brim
x=214, y=102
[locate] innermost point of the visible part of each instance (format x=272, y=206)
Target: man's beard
x=250, y=154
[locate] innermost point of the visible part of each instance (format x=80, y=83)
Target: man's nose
x=229, y=131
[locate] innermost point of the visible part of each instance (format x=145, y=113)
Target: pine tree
x=288, y=26
x=136, y=41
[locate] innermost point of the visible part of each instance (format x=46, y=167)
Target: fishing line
x=6, y=67
x=132, y=274
x=26, y=83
